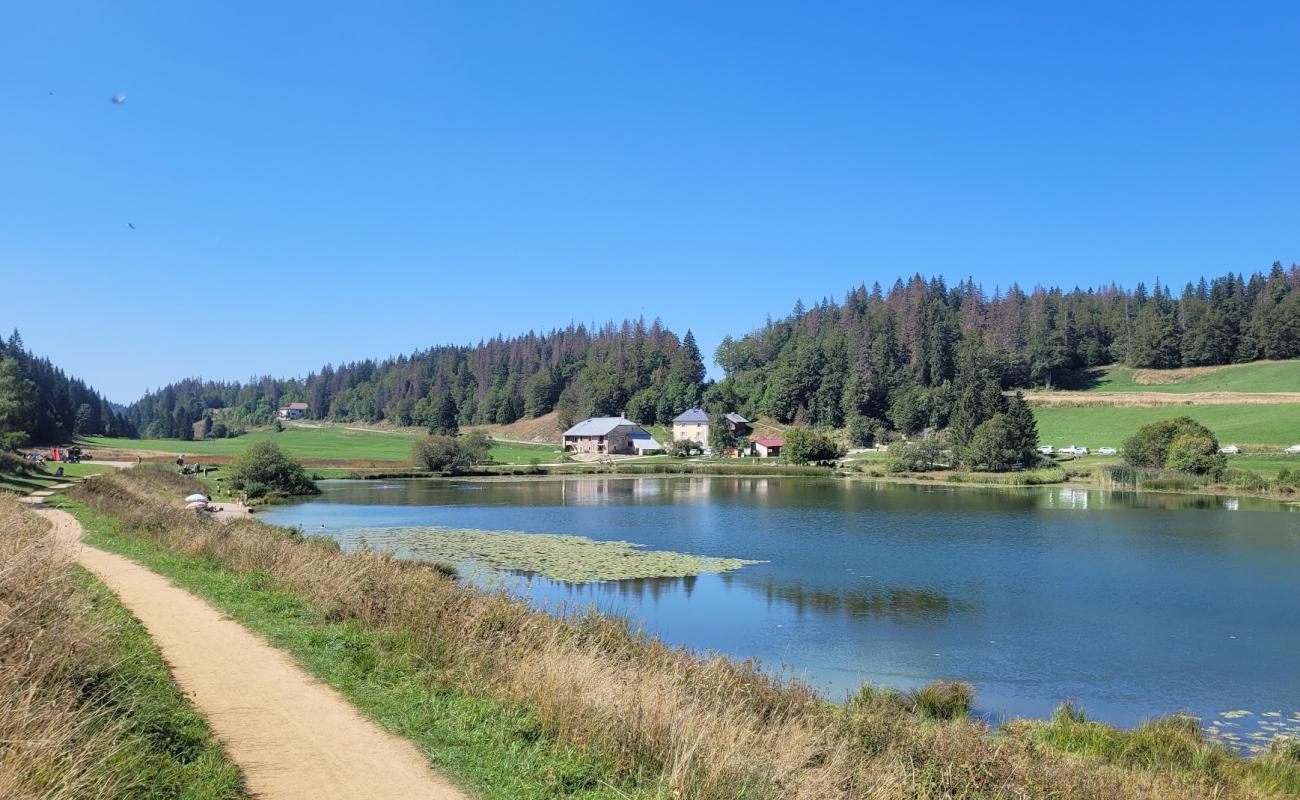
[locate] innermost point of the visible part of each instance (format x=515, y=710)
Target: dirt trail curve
x=293, y=737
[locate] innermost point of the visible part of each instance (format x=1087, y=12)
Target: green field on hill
x=1264, y=376
x=1276, y=425
x=326, y=443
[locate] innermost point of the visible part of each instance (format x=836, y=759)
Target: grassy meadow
x=1260, y=376
x=26, y=483
x=327, y=443
x=1272, y=425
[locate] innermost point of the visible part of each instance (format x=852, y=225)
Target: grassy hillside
x=1261, y=376
x=325, y=444
x=1275, y=425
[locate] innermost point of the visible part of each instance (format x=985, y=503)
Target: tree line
x=919, y=355
x=637, y=368
x=923, y=354
x=40, y=403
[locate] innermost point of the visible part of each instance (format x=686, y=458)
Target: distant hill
x=636, y=368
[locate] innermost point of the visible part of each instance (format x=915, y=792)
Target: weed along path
x=292, y=736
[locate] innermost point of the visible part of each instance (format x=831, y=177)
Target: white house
x=293, y=411
x=692, y=425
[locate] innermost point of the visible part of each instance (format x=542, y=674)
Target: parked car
x=1075, y=450
x=1293, y=449
x=1230, y=450
x=1046, y=449
x=1107, y=451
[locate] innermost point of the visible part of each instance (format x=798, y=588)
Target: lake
x=1133, y=605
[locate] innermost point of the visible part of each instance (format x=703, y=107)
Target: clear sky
x=319, y=182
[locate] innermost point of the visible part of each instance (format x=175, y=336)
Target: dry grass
x=1158, y=399
x=51, y=745
x=694, y=727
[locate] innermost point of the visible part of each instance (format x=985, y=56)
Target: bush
x=453, y=454
x=1180, y=443
x=992, y=446
x=12, y=440
x=265, y=467
x=684, y=448
x=807, y=446
x=919, y=456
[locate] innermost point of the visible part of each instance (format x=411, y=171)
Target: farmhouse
x=610, y=436
x=692, y=425
x=768, y=448
x=293, y=411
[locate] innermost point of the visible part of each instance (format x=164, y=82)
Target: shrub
x=919, y=456
x=265, y=467
x=12, y=440
x=992, y=446
x=453, y=454
x=1195, y=453
x=807, y=446
x=684, y=448
x=1180, y=443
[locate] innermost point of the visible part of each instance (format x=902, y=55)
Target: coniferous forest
x=919, y=354
x=38, y=402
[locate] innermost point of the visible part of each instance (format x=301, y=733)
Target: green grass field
x=329, y=443
x=1268, y=376
x=1276, y=425
x=26, y=484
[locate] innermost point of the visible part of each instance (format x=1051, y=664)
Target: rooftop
x=770, y=442
x=691, y=415
x=598, y=426
x=734, y=417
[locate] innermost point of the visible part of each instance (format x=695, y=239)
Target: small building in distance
x=738, y=424
x=293, y=411
x=768, y=448
x=692, y=425
x=610, y=436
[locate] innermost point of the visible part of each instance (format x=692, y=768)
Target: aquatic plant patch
x=575, y=559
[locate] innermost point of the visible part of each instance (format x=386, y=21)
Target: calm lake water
x=1133, y=605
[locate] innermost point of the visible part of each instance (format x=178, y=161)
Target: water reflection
x=898, y=604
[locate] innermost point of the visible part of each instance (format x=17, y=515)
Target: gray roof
x=734, y=417
x=644, y=441
x=692, y=415
x=598, y=426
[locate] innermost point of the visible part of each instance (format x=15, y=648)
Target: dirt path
x=292, y=736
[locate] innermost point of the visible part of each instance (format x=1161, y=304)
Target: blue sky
x=323, y=182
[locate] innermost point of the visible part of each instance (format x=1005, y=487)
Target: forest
x=38, y=402
x=919, y=355
x=900, y=359
x=636, y=367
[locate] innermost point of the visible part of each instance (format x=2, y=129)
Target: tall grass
x=679, y=725
x=87, y=708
